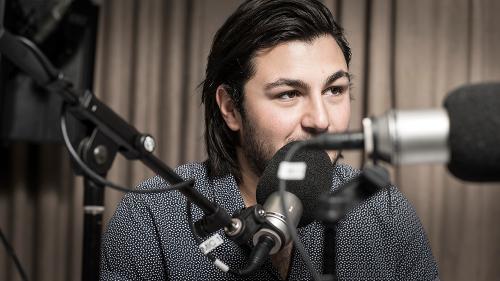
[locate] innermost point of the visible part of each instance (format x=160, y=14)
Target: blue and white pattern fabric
x=149, y=238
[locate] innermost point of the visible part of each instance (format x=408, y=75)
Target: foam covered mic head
x=474, y=140
x=317, y=181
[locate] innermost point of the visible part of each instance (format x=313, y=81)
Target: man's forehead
x=320, y=58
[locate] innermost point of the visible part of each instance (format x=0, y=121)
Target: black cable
x=50, y=70
x=12, y=254
x=198, y=240
x=97, y=178
x=293, y=232
x=217, y=262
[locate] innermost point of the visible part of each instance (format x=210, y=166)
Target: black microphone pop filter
x=317, y=181
x=474, y=141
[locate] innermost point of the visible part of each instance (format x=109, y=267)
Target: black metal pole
x=329, y=252
x=92, y=226
x=93, y=201
x=333, y=206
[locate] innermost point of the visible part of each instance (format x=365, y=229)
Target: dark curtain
x=150, y=61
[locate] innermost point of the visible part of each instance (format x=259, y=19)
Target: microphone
x=465, y=134
x=301, y=197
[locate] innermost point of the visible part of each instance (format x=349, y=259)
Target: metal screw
x=100, y=154
x=149, y=143
x=261, y=212
x=234, y=228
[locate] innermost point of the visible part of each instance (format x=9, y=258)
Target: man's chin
x=334, y=155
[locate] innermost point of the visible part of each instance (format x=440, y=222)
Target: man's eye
x=288, y=95
x=336, y=90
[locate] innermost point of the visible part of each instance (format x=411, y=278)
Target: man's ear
x=228, y=109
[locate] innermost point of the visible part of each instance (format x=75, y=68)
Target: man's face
x=300, y=89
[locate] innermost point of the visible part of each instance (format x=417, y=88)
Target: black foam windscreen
x=474, y=112
x=317, y=181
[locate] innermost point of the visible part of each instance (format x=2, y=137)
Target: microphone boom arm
x=102, y=120
x=87, y=108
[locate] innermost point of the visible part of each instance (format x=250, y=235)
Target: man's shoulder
x=194, y=170
x=387, y=225
x=388, y=200
x=343, y=173
x=197, y=171
x=168, y=200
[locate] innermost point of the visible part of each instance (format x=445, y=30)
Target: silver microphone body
x=463, y=135
x=408, y=136
x=276, y=217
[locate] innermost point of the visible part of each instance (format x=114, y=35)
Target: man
x=277, y=72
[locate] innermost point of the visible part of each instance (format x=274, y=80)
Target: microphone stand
x=329, y=251
x=335, y=204
x=105, y=134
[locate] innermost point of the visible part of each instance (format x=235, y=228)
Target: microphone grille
x=474, y=112
x=318, y=179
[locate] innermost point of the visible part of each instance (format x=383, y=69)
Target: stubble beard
x=259, y=151
x=256, y=149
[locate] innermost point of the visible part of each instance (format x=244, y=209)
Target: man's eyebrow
x=295, y=83
x=337, y=75
x=287, y=82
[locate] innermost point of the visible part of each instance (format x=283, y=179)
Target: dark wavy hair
x=255, y=25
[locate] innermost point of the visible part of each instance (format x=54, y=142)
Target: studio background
x=151, y=57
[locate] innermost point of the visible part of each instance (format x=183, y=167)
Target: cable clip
x=292, y=170
x=211, y=243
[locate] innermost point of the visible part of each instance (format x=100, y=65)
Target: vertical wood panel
x=65, y=240
x=354, y=25
x=414, y=81
x=46, y=214
x=485, y=66
x=422, y=40
x=379, y=64
x=146, y=73
x=207, y=19
x=193, y=136
x=334, y=6
x=75, y=225
x=353, y=22
x=432, y=51
x=6, y=191
x=452, y=202
x=173, y=60
x=116, y=62
x=21, y=237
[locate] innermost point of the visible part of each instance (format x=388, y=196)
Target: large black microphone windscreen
x=317, y=181
x=474, y=141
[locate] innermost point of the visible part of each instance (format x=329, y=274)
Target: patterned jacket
x=149, y=238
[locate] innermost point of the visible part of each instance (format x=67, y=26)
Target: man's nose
x=315, y=118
